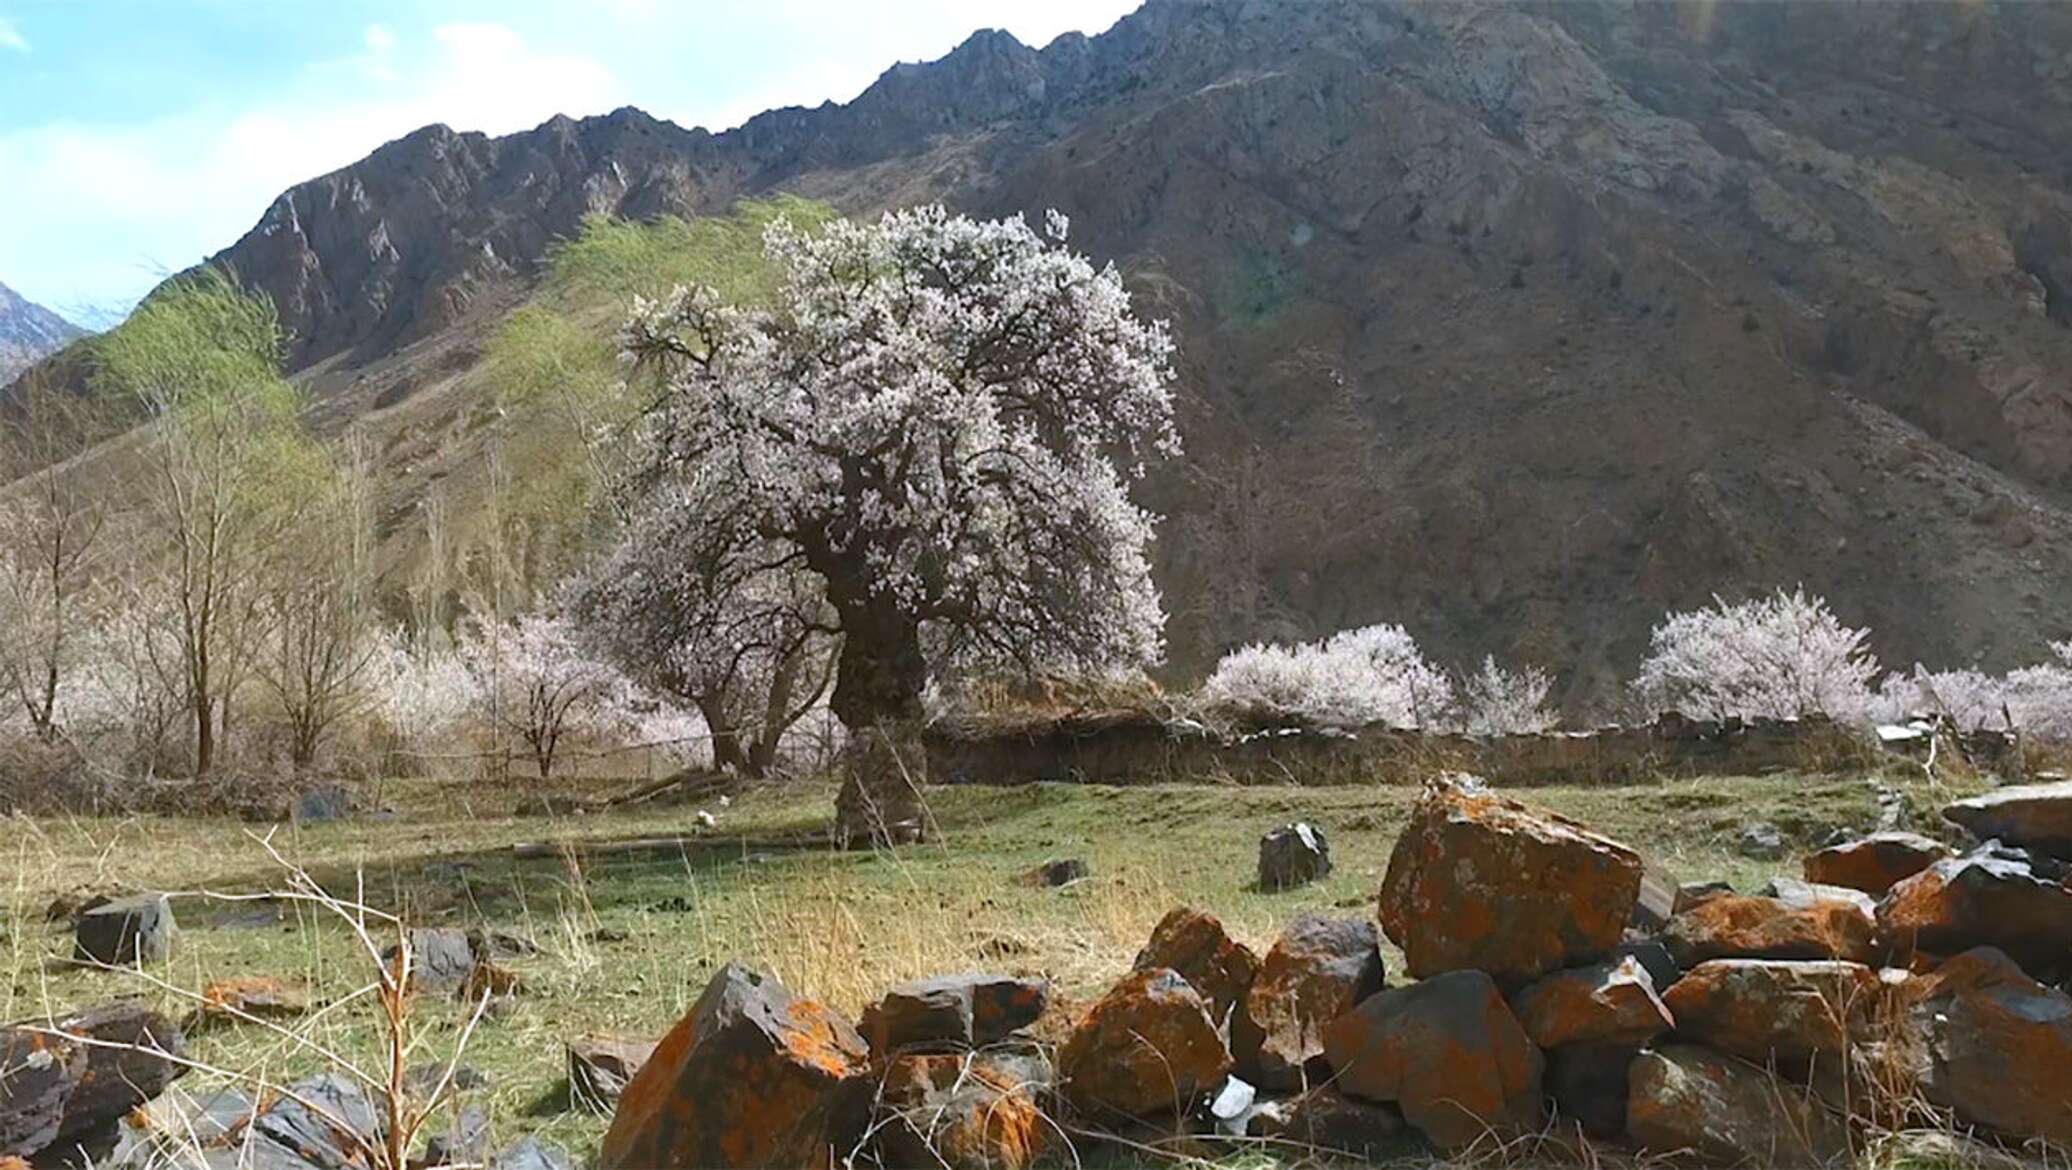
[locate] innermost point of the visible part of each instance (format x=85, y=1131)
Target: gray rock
x=339, y=1138
x=600, y=1067
x=1327, y=1122
x=957, y=1011
x=464, y=1141
x=1293, y=855
x=2031, y=816
x=1059, y=872
x=139, y=928
x=1761, y=841
x=1690, y=894
x=322, y=804
x=441, y=958
x=1799, y=895
x=529, y=1154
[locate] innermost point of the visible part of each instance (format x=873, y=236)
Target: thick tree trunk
x=880, y=675
x=727, y=755
x=880, y=801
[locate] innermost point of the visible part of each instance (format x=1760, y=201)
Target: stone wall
x=1141, y=747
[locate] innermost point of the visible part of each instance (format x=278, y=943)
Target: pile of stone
x=1559, y=987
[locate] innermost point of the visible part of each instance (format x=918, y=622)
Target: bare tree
x=50, y=527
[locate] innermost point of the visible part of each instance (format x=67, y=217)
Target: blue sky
x=137, y=136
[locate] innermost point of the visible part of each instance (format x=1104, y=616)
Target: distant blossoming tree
x=534, y=681
x=1497, y=701
x=936, y=426
x=746, y=646
x=1784, y=656
x=1374, y=674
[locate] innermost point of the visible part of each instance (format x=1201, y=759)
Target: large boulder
x=1319, y=969
x=1479, y=882
x=740, y=1081
x=1218, y=967
x=1999, y=1048
x=1293, y=855
x=1734, y=926
x=1682, y=1098
x=1608, y=1003
x=1773, y=1010
x=1147, y=1048
x=1448, y=1052
x=1874, y=864
x=2030, y=816
x=601, y=1066
x=952, y=1011
x=136, y=929
x=324, y=1122
x=958, y=1111
x=1983, y=900
x=73, y=1082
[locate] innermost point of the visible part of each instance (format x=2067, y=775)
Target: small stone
x=1448, y=1052
x=1761, y=841
x=248, y=997
x=139, y=928
x=1657, y=901
x=1690, y=894
x=1147, y=1048
x=530, y=1154
x=441, y=958
x=601, y=1066
x=1798, y=895
x=464, y=1141
x=1875, y=863
x=1319, y=969
x=322, y=804
x=1059, y=872
x=1293, y=855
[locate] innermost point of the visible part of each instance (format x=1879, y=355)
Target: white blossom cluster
x=1371, y=675
x=1783, y=656
x=531, y=677
x=2035, y=700
x=938, y=424
x=1496, y=701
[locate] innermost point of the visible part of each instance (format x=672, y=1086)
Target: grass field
x=627, y=940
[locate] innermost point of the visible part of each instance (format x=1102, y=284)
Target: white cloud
x=11, y=37
x=114, y=205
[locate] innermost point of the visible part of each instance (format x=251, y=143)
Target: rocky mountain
x=28, y=333
x=1515, y=323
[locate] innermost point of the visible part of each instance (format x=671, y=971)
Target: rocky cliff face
x=28, y=333
x=1515, y=324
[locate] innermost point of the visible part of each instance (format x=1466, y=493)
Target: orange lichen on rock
x=1734, y=926
x=1148, y=1047
x=961, y=1111
x=1771, y=1010
x=1479, y=882
x=1612, y=1002
x=741, y=1081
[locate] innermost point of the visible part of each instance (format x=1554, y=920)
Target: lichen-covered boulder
x=1684, y=1099
x=1477, y=882
x=1218, y=967
x=1773, y=1010
x=1448, y=1052
x=1874, y=864
x=952, y=1011
x=1999, y=1047
x=2028, y=816
x=1611, y=1002
x=1319, y=969
x=1147, y=1048
x=743, y=1080
x=1983, y=900
x=959, y=1111
x=1734, y=926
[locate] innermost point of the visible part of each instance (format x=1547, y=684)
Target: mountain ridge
x=1516, y=324
x=29, y=333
